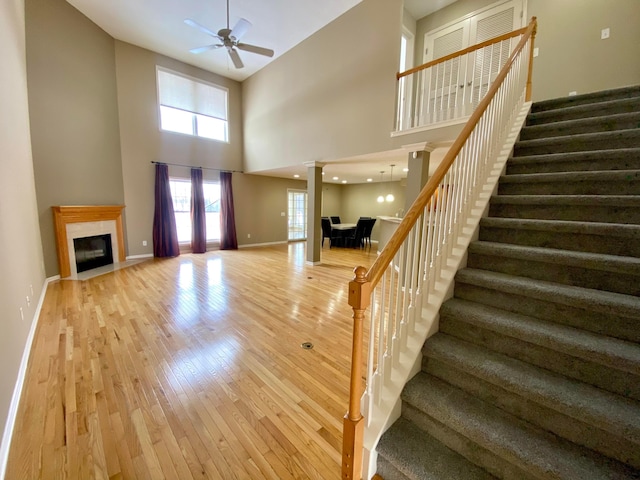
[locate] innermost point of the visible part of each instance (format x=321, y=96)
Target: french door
x=456, y=87
x=297, y=215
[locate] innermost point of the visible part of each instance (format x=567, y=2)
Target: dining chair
x=368, y=229
x=335, y=220
x=356, y=239
x=327, y=231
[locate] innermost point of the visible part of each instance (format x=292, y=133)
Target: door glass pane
x=297, y=224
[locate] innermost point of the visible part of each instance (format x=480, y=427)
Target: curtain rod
x=193, y=166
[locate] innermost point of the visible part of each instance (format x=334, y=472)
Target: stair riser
x=567, y=427
x=623, y=159
x=558, y=272
x=475, y=453
x=621, y=186
x=591, y=372
x=596, y=97
x=585, y=111
x=588, y=213
x=387, y=471
x=609, y=245
x=579, y=143
x=611, y=324
x=576, y=127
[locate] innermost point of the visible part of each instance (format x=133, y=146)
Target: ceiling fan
x=230, y=38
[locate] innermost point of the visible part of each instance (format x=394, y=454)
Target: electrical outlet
x=248, y=235
x=573, y=94
x=144, y=243
x=536, y=51
x=282, y=214
x=604, y=33
x=28, y=301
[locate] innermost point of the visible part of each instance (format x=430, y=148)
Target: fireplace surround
x=85, y=220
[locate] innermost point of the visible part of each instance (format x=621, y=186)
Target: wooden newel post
x=534, y=20
x=353, y=430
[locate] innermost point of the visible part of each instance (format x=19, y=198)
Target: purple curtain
x=198, y=216
x=228, y=239
x=165, y=234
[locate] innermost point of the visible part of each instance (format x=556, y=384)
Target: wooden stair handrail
x=362, y=285
x=459, y=53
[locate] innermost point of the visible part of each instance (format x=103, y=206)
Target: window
x=181, y=195
x=192, y=107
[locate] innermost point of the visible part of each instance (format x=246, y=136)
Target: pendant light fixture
x=390, y=198
x=381, y=197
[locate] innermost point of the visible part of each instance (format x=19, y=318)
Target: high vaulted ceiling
x=158, y=25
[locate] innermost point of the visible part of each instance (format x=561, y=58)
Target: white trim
x=17, y=390
x=262, y=244
x=144, y=255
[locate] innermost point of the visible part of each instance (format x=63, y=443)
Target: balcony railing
x=451, y=87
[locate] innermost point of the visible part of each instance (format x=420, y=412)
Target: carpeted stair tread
x=586, y=98
x=604, y=123
x=632, y=232
x=610, y=352
x=565, y=177
x=629, y=138
x=611, y=159
x=581, y=200
x=580, y=401
x=606, y=107
x=584, y=298
x=533, y=450
x=416, y=455
x=592, y=261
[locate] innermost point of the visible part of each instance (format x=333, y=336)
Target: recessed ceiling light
x=296, y=176
x=344, y=181
x=369, y=179
x=335, y=178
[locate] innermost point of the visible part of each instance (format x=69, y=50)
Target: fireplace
x=92, y=252
x=76, y=222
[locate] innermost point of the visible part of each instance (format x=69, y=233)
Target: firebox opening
x=93, y=252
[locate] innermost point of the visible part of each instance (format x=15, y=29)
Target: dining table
x=344, y=230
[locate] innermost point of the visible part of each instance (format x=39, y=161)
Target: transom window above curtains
x=181, y=195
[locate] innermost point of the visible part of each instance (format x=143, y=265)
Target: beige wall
x=330, y=97
x=361, y=201
x=73, y=110
x=20, y=251
x=258, y=202
x=572, y=56
x=143, y=142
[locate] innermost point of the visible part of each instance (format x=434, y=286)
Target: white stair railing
x=411, y=277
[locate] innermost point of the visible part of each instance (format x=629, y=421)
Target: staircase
x=535, y=370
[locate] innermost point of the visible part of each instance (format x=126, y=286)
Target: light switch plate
x=604, y=33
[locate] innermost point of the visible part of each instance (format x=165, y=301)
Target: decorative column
x=418, y=172
x=314, y=211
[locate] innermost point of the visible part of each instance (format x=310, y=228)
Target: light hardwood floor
x=192, y=367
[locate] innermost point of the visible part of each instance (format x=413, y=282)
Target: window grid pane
x=297, y=215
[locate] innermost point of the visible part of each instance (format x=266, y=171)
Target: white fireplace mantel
x=67, y=215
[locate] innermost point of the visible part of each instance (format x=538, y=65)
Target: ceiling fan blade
x=267, y=52
x=240, y=28
x=235, y=58
x=205, y=48
x=202, y=28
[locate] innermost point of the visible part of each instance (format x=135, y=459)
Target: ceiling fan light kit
x=230, y=39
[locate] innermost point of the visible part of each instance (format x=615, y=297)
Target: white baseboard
x=17, y=390
x=134, y=257
x=262, y=244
